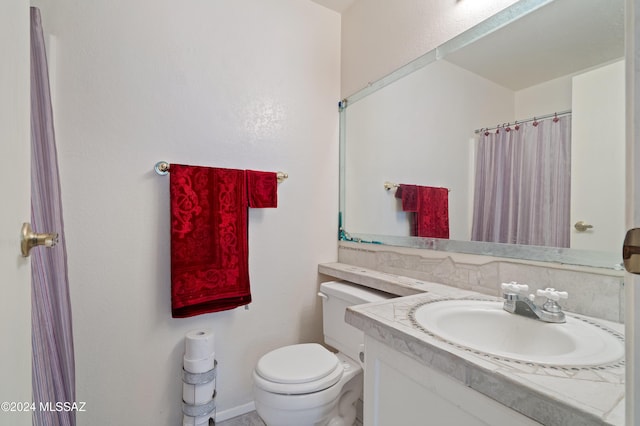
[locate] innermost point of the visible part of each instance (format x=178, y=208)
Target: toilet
x=306, y=384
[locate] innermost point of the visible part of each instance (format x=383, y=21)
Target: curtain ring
x=535, y=122
x=517, y=126
x=555, y=117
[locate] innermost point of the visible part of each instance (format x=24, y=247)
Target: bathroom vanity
x=414, y=377
x=403, y=391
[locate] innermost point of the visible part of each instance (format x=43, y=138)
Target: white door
x=597, y=179
x=15, y=282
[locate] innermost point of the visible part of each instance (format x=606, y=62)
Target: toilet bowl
x=308, y=385
x=310, y=401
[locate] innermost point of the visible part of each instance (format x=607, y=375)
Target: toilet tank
x=336, y=297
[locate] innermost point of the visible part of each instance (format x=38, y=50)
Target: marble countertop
x=390, y=283
x=547, y=394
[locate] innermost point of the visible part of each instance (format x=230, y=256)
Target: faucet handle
x=514, y=287
x=553, y=294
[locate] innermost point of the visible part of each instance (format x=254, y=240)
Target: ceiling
x=337, y=5
x=561, y=38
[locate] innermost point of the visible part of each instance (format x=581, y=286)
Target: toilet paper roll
x=199, y=365
x=198, y=394
x=199, y=344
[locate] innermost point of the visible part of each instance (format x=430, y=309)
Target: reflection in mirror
x=423, y=129
x=522, y=183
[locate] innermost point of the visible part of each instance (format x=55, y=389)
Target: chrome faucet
x=517, y=302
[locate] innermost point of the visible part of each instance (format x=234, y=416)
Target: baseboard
x=235, y=411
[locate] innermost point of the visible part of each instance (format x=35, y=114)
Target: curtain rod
x=541, y=117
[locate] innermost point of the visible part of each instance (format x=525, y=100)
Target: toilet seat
x=298, y=369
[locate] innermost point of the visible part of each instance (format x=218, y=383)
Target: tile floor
x=249, y=419
x=252, y=419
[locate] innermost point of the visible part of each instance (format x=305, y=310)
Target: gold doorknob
x=582, y=226
x=31, y=239
x=631, y=251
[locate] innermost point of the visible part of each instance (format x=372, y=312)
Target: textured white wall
x=238, y=84
x=379, y=36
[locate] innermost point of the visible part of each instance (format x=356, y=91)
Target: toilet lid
x=296, y=364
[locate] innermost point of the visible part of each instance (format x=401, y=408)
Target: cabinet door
x=402, y=392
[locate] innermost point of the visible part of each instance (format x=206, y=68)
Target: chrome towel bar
x=162, y=168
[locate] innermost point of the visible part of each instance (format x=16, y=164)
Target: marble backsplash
x=592, y=291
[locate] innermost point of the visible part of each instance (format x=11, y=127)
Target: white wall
x=374, y=44
x=238, y=84
x=544, y=98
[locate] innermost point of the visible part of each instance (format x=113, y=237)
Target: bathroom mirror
x=418, y=126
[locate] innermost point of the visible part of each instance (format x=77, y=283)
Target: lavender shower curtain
x=523, y=184
x=53, y=367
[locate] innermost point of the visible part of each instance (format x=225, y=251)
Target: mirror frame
x=524, y=252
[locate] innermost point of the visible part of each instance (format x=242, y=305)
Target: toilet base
x=335, y=406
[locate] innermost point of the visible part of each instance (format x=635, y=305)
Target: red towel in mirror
x=430, y=206
x=409, y=196
x=209, y=238
x=432, y=218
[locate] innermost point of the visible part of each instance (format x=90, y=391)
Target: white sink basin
x=485, y=327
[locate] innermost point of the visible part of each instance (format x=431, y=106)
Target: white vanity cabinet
x=399, y=391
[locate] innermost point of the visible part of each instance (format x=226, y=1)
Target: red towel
x=432, y=218
x=409, y=196
x=431, y=210
x=263, y=187
x=209, y=239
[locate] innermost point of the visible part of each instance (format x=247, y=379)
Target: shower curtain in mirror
x=53, y=367
x=523, y=184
